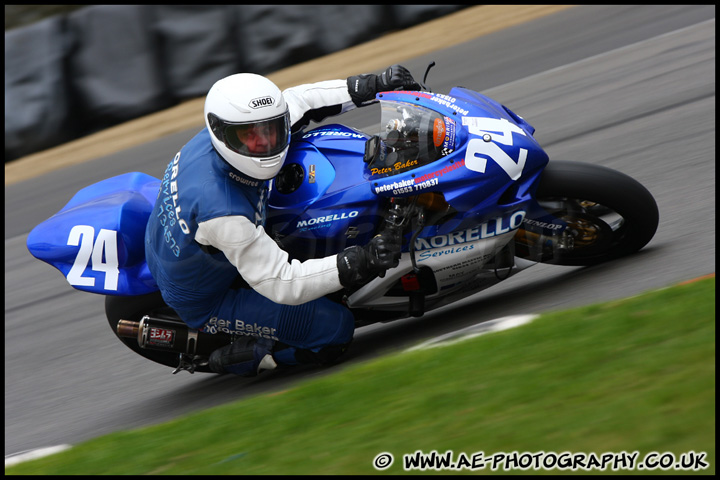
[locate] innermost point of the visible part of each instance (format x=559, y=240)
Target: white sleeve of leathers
x=311, y=96
x=264, y=265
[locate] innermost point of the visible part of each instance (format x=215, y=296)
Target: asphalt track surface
x=628, y=87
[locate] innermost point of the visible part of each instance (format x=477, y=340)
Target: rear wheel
x=608, y=215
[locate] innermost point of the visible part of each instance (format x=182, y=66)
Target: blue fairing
x=476, y=176
x=96, y=240
x=333, y=206
x=482, y=177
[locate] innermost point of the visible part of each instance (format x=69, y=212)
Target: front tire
x=608, y=213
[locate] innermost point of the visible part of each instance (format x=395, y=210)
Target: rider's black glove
x=363, y=87
x=358, y=265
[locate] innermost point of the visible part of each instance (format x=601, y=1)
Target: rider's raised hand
x=363, y=88
x=396, y=77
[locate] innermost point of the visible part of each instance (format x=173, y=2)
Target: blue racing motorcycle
x=459, y=175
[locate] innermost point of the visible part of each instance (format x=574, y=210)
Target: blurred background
x=71, y=70
x=22, y=15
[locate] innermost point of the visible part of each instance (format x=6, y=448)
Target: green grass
x=630, y=375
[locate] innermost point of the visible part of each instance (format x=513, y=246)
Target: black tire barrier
x=73, y=74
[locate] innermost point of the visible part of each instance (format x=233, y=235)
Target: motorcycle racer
x=205, y=244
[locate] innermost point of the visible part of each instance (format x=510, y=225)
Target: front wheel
x=608, y=215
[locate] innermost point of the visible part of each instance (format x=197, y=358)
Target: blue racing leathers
x=206, y=228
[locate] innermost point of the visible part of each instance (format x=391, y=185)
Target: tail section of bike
x=97, y=240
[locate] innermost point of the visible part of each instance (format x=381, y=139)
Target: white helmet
x=249, y=124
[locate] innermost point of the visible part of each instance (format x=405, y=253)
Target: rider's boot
x=246, y=356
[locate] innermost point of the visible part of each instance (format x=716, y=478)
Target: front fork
x=413, y=214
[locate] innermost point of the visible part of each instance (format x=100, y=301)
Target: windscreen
x=410, y=136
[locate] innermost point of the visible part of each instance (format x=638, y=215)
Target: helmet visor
x=260, y=139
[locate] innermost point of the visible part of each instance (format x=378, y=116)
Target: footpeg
x=190, y=363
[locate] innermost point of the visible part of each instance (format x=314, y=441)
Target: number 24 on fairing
x=482, y=126
x=94, y=250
